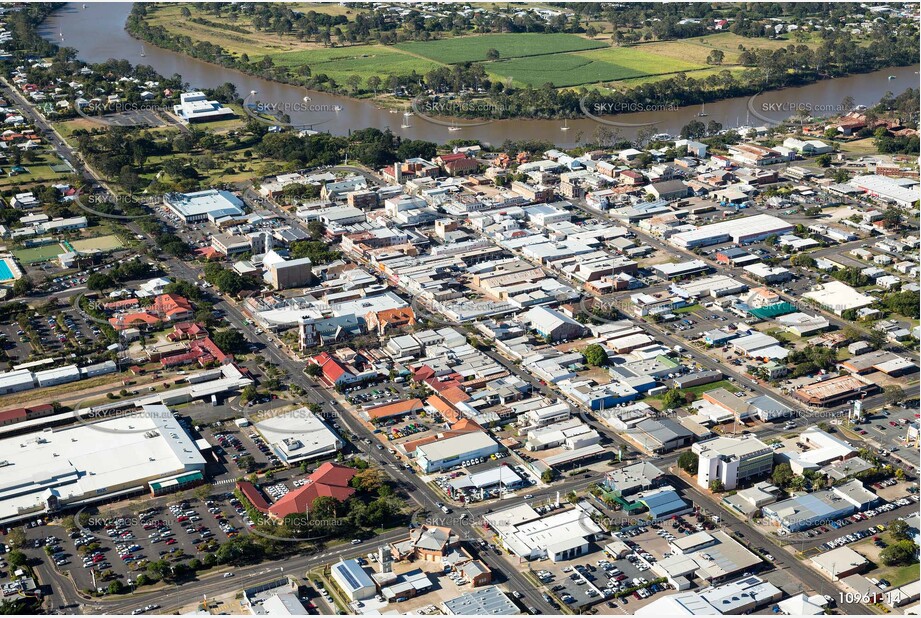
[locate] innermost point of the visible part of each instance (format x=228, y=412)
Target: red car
x=170, y=541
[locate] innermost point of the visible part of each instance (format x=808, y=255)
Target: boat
x=892, y=77
x=406, y=124
x=337, y=108
x=143, y=53
x=84, y=7
x=454, y=127
x=565, y=126
x=703, y=112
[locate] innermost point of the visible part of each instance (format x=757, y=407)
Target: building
x=808, y=510
x=559, y=536
x=680, y=270
x=838, y=297
x=732, y=460
x=488, y=601
x=840, y=562
x=822, y=449
x=902, y=192
x=211, y=204
x=632, y=479
x=426, y=543
x=741, y=231
x=299, y=435
x=834, y=391
x=47, y=470
x=669, y=190
x=352, y=580
x=283, y=273
x=455, y=450
x=195, y=107
x=330, y=480
x=553, y=325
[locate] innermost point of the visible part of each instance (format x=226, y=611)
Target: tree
x=368, y=480
x=22, y=286
x=116, y=587
x=492, y=54
x=313, y=370
x=802, y=260
x=899, y=553
x=229, y=341
x=674, y=398
x=595, y=355
x=899, y=530
x=716, y=57
x=17, y=559
x=893, y=394
x=688, y=462
x=716, y=486
x=548, y=475
x=782, y=475
x=823, y=160
x=99, y=281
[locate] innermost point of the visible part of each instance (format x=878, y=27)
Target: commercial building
x=838, y=297
x=670, y=270
x=559, y=536
x=195, y=107
x=840, y=562
x=740, y=231
x=822, y=449
x=299, y=435
x=452, y=451
x=330, y=480
x=632, y=479
x=211, y=204
x=744, y=596
x=834, y=391
x=283, y=273
x=808, y=510
x=732, y=460
x=353, y=580
x=553, y=325
x=902, y=192
x=48, y=470
x=488, y=601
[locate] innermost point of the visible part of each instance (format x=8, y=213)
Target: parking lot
x=120, y=544
x=241, y=449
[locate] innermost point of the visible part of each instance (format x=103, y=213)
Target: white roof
x=839, y=297
x=77, y=461
x=298, y=435
x=456, y=446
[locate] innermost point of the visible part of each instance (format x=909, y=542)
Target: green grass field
x=560, y=70
x=474, y=48
x=361, y=60
x=38, y=254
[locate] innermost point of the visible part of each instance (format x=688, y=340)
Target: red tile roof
x=330, y=480
x=253, y=495
x=395, y=409
x=332, y=370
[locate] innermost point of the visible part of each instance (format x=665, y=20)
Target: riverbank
x=80, y=27
x=650, y=75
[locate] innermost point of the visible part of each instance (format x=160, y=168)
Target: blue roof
x=664, y=503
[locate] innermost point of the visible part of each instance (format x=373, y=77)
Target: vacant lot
x=697, y=49
x=362, y=60
x=474, y=48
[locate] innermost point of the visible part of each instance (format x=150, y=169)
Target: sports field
x=39, y=254
x=474, y=48
x=362, y=60
x=100, y=243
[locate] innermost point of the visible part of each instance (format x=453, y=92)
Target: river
x=97, y=33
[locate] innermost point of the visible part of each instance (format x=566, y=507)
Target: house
x=383, y=322
x=457, y=164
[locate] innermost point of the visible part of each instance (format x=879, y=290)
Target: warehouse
x=48, y=470
x=808, y=510
x=741, y=231
x=838, y=297
x=902, y=192
x=488, y=601
x=670, y=270
x=453, y=451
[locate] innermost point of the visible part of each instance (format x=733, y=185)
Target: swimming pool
x=6, y=272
